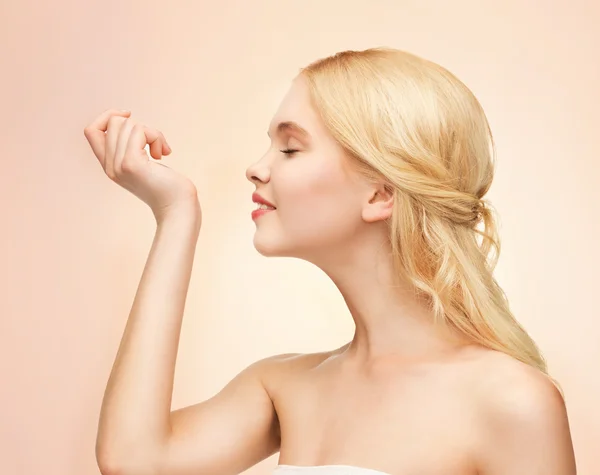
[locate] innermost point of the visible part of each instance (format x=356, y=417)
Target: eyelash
x=289, y=151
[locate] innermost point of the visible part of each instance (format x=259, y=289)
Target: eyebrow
x=291, y=126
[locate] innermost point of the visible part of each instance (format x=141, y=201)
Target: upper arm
x=526, y=428
x=229, y=432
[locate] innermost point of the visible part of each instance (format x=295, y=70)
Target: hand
x=119, y=144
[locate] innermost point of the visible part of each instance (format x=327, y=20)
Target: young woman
x=377, y=170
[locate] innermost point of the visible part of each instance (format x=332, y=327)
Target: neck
x=391, y=320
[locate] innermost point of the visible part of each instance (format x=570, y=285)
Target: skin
x=403, y=397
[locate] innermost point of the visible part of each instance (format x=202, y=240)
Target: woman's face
x=318, y=199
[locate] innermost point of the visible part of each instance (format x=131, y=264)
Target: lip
x=257, y=213
x=256, y=198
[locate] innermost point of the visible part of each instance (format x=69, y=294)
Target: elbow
x=119, y=467
x=109, y=467
x=109, y=463
x=112, y=463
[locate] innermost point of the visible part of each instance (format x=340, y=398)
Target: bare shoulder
x=524, y=425
x=506, y=384
x=277, y=370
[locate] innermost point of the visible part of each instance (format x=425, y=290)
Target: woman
x=378, y=165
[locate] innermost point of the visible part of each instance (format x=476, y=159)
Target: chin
x=266, y=247
x=271, y=246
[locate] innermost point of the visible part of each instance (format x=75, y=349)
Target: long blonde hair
x=414, y=124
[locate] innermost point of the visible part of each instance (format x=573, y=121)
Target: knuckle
x=121, y=171
x=130, y=164
x=127, y=165
x=114, y=121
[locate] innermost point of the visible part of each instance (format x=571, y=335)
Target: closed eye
x=289, y=151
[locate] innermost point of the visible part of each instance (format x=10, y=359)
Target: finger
x=115, y=124
x=138, y=138
x=159, y=147
x=121, y=145
x=95, y=131
x=156, y=144
x=166, y=147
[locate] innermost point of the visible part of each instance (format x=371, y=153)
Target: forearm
x=135, y=414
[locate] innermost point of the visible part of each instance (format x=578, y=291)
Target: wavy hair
x=412, y=123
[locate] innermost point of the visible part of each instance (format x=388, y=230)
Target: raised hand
x=119, y=144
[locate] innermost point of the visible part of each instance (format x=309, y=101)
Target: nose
x=258, y=172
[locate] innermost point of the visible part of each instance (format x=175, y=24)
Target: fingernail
x=125, y=110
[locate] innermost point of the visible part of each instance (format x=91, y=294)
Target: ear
x=380, y=204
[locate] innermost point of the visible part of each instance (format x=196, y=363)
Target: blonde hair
x=414, y=124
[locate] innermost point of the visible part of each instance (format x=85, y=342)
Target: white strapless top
x=325, y=470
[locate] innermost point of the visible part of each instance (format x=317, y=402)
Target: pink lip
x=259, y=212
x=256, y=198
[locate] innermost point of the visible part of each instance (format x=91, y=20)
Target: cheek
x=317, y=206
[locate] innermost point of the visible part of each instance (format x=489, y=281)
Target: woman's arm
x=137, y=432
x=135, y=416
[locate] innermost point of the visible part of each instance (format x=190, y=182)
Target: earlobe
x=380, y=207
x=375, y=213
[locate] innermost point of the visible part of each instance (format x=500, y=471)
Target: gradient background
x=210, y=76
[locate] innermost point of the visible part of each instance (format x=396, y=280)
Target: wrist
x=184, y=213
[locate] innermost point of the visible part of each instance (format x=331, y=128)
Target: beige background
x=210, y=76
